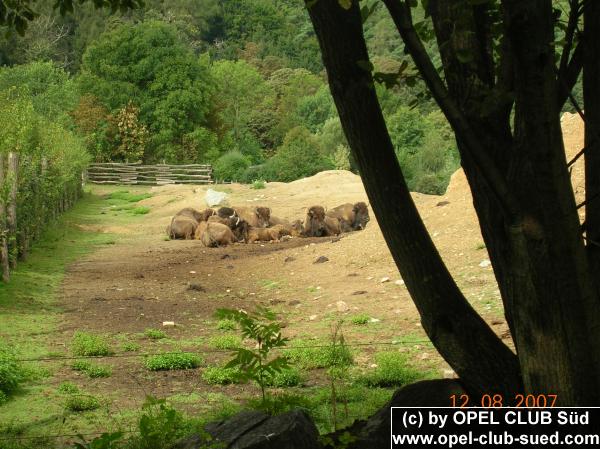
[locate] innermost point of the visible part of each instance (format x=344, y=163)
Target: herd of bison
x=229, y=225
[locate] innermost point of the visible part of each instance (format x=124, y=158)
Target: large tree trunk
x=481, y=360
x=591, y=95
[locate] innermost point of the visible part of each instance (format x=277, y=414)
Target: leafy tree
x=132, y=135
x=148, y=65
x=231, y=166
x=502, y=94
x=314, y=110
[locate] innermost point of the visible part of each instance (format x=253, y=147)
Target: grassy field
x=68, y=397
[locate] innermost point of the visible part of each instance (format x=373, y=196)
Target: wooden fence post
x=4, y=265
x=11, y=216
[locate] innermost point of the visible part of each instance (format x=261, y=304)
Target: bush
x=322, y=357
x=84, y=344
x=226, y=325
x=258, y=184
x=154, y=334
x=360, y=320
x=231, y=166
x=92, y=370
x=11, y=372
x=299, y=156
x=131, y=346
x=217, y=375
x=392, y=370
x=285, y=378
x=225, y=342
x=82, y=403
x=173, y=361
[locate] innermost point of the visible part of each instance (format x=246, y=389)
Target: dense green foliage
x=173, y=361
x=238, y=84
x=11, y=372
x=85, y=344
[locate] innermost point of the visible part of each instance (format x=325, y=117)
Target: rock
x=352, y=275
x=374, y=320
x=442, y=203
x=359, y=292
x=195, y=287
x=293, y=302
x=214, y=198
x=192, y=272
x=449, y=374
x=373, y=365
x=289, y=259
x=341, y=306
x=384, y=279
x=168, y=323
x=399, y=282
x=257, y=430
x=497, y=322
x=225, y=256
x=485, y=263
x=312, y=317
x=321, y=259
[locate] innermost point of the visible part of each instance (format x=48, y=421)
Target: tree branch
x=401, y=15
x=567, y=76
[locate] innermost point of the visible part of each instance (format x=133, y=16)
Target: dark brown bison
x=257, y=217
x=318, y=224
x=352, y=217
x=226, y=212
x=213, y=234
x=235, y=223
x=184, y=223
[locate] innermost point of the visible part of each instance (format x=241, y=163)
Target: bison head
x=239, y=227
x=205, y=214
x=297, y=228
x=263, y=215
x=314, y=224
x=361, y=215
x=226, y=212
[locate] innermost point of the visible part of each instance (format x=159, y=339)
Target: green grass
x=225, y=342
x=155, y=334
x=68, y=388
x=140, y=210
x=82, y=403
x=92, y=370
x=316, y=357
x=258, y=184
x=360, y=320
x=218, y=375
x=173, y=361
x=131, y=346
x=285, y=378
x=226, y=325
x=85, y=344
x=125, y=195
x=393, y=370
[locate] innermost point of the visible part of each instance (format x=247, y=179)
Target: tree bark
x=4, y=264
x=591, y=96
x=465, y=341
x=11, y=219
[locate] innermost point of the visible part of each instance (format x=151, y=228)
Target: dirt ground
x=143, y=280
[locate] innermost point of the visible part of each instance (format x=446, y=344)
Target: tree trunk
x=11, y=218
x=4, y=264
x=591, y=96
x=465, y=341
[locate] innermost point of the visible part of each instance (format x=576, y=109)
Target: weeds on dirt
x=12, y=372
x=258, y=184
x=225, y=342
x=289, y=377
x=219, y=375
x=81, y=403
x=155, y=334
x=360, y=320
x=84, y=344
x=131, y=346
x=173, y=361
x=226, y=325
x=338, y=370
x=257, y=364
x=316, y=357
x=125, y=195
x=68, y=388
x=393, y=370
x=92, y=370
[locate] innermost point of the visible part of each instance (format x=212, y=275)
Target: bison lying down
x=184, y=223
x=318, y=224
x=213, y=234
x=352, y=217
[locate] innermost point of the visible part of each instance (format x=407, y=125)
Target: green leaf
x=346, y=4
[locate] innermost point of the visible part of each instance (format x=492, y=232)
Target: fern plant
x=257, y=364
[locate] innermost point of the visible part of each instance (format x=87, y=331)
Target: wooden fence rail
x=161, y=174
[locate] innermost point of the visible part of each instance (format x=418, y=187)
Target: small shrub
x=131, y=346
x=225, y=342
x=226, y=325
x=217, y=375
x=82, y=403
x=360, y=320
x=140, y=210
x=91, y=369
x=11, y=372
x=258, y=184
x=231, y=166
x=285, y=378
x=392, y=370
x=317, y=357
x=173, y=361
x=155, y=334
x=84, y=344
x=68, y=388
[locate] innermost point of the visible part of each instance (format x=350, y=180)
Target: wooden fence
x=122, y=173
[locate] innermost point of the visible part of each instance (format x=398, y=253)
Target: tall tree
x=498, y=61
